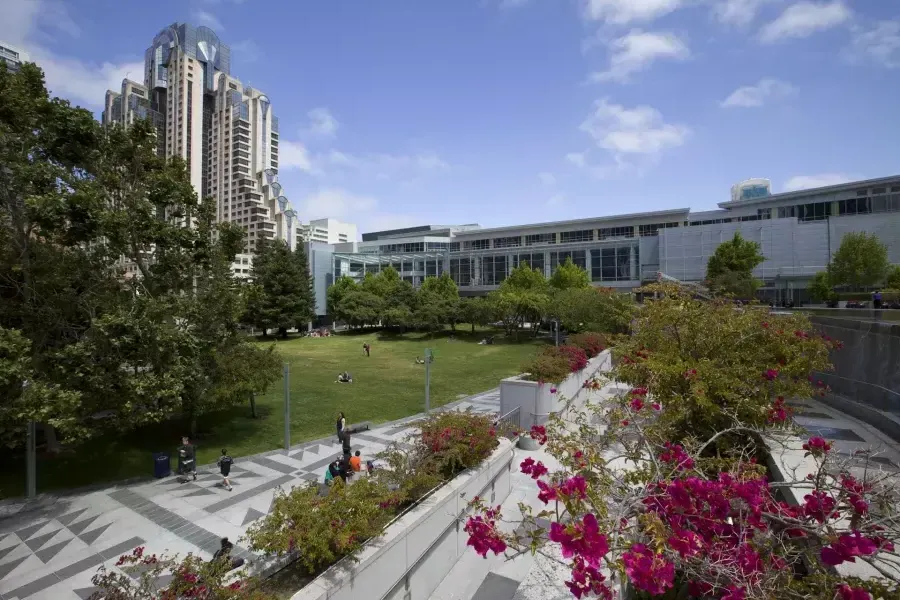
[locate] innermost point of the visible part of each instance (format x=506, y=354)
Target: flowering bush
x=578, y=358
x=456, y=441
x=141, y=574
x=658, y=497
x=324, y=528
x=592, y=343
x=550, y=365
x=712, y=365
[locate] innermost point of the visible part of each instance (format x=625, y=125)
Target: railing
x=510, y=424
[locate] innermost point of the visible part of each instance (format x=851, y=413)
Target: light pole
x=30, y=454
x=429, y=356
x=287, y=408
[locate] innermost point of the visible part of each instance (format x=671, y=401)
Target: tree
x=282, y=296
x=892, y=279
x=820, y=287
x=522, y=298
x=568, y=276
x=860, y=261
x=336, y=292
x=477, y=311
x=359, y=308
x=437, y=302
x=730, y=268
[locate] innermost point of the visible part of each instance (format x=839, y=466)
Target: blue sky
x=400, y=112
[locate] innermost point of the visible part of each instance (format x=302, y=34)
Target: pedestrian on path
x=186, y=464
x=225, y=463
x=341, y=426
x=367, y=349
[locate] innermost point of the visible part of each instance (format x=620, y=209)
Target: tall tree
x=568, y=276
x=820, y=287
x=892, y=278
x=860, y=261
x=283, y=296
x=730, y=268
x=477, y=311
x=522, y=297
x=437, y=302
x=336, y=292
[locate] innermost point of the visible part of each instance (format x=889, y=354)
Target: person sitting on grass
x=332, y=472
x=345, y=377
x=419, y=361
x=223, y=556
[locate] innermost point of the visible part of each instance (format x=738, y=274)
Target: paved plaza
x=52, y=547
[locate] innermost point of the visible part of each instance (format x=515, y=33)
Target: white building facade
x=329, y=231
x=12, y=56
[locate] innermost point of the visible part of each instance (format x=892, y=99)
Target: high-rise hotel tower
x=226, y=132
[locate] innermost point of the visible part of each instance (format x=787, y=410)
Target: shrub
x=191, y=577
x=577, y=357
x=454, y=441
x=549, y=366
x=325, y=528
x=592, y=343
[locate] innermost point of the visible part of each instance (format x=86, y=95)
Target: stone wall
x=867, y=368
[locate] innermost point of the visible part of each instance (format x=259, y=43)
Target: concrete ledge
x=885, y=422
x=419, y=549
x=534, y=399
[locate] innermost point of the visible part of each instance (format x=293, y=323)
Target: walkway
x=51, y=548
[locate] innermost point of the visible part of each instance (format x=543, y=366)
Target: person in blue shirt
x=225, y=463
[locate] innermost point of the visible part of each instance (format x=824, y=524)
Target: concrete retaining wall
x=867, y=368
x=418, y=550
x=535, y=400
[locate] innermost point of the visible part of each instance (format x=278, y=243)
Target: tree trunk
x=50, y=437
x=473, y=327
x=193, y=425
x=253, y=405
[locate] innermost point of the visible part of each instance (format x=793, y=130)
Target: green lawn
x=387, y=385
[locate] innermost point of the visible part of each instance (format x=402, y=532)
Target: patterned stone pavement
x=51, y=548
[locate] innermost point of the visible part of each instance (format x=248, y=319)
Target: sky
x=395, y=113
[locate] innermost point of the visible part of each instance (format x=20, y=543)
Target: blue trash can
x=162, y=465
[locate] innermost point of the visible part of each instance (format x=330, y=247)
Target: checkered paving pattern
x=50, y=548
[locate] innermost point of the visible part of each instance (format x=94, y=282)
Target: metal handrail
x=875, y=385
x=511, y=422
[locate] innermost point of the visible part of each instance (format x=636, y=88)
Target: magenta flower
x=817, y=446
x=547, y=492
x=532, y=468
x=647, y=570
x=582, y=539
x=674, y=454
x=539, y=434
x=587, y=580
x=553, y=390
x=574, y=487
x=734, y=593
x=483, y=536
x=637, y=403
x=849, y=593
x=770, y=374
x=847, y=548
x=656, y=406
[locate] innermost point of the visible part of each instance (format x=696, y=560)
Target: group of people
x=187, y=463
x=347, y=465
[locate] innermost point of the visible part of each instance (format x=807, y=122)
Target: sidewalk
x=51, y=547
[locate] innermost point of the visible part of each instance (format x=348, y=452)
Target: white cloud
x=632, y=131
x=623, y=12
x=548, y=179
x=637, y=50
x=555, y=200
x=322, y=123
x=880, y=44
x=294, y=155
x=738, y=13
x=757, y=95
x=805, y=182
x=30, y=24
x=204, y=17
x=803, y=19
x=245, y=51
x=337, y=203
x=579, y=159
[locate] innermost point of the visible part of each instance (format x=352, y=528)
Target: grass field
x=387, y=385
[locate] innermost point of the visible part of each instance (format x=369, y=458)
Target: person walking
x=366, y=349
x=225, y=463
x=876, y=299
x=186, y=456
x=346, y=443
x=341, y=425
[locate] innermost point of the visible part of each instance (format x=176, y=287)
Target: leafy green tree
x=892, y=279
x=860, y=261
x=478, y=311
x=359, y=308
x=282, y=297
x=523, y=297
x=569, y=276
x=820, y=287
x=730, y=268
x=336, y=292
x=438, y=302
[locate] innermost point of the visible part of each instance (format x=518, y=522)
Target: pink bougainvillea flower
x=690, y=373
x=779, y=412
x=581, y=539
x=553, y=390
x=847, y=548
x=483, y=535
x=647, y=570
x=625, y=423
x=547, y=492
x=852, y=593
x=674, y=454
x=637, y=403
x=574, y=487
x=734, y=593
x=656, y=406
x=532, y=468
x=587, y=580
x=770, y=374
x=539, y=434
x=817, y=446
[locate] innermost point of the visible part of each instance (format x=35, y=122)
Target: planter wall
x=534, y=399
x=418, y=550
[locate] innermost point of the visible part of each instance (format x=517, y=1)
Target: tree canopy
x=860, y=261
x=730, y=268
x=282, y=295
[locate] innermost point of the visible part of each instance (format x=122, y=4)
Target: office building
x=225, y=131
x=797, y=231
x=12, y=56
x=329, y=231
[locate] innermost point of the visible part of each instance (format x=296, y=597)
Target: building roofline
x=841, y=187
x=576, y=222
